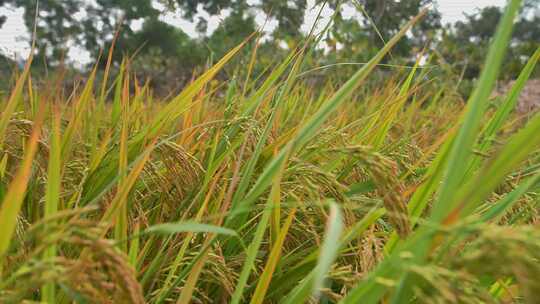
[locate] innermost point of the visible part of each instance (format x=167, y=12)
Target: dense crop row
x=271, y=191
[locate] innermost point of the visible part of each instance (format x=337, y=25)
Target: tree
x=165, y=53
x=62, y=24
x=231, y=32
x=375, y=22
x=288, y=13
x=389, y=16
x=464, y=44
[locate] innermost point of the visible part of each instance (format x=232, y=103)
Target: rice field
x=269, y=189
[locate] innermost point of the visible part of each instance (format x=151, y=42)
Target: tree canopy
x=91, y=25
x=466, y=41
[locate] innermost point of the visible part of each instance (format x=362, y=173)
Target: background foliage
x=92, y=24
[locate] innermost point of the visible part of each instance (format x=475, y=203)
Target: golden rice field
x=271, y=191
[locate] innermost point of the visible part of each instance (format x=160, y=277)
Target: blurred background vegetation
x=168, y=57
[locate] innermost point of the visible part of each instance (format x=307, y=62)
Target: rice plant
x=271, y=190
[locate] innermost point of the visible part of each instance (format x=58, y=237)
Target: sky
x=14, y=37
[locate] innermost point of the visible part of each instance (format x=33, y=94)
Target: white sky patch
x=136, y=25
x=189, y=27
x=312, y=12
x=452, y=10
x=15, y=38
x=80, y=56
x=265, y=24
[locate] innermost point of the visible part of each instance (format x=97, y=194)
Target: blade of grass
x=270, y=267
x=446, y=207
x=312, y=126
x=13, y=101
x=134, y=247
x=79, y=111
x=496, y=211
x=496, y=122
x=390, y=114
x=255, y=244
x=189, y=226
x=107, y=170
x=329, y=251
x=512, y=154
x=121, y=221
x=462, y=147
x=13, y=200
x=460, y=153
x=52, y=196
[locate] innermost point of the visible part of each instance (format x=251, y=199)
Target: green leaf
x=179, y=227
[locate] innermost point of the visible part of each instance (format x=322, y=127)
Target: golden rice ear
x=385, y=175
x=172, y=172
x=104, y=275
x=457, y=278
